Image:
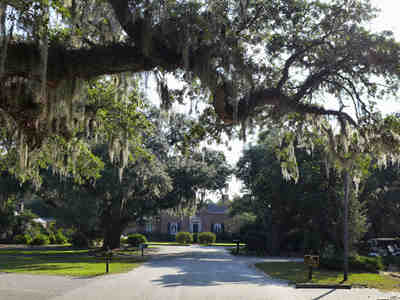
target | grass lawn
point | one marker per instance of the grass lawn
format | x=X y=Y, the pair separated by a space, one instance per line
x=177 y=244
x=296 y=272
x=166 y=244
x=62 y=261
x=227 y=244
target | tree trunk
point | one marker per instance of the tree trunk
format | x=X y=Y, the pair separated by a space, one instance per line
x=275 y=239
x=112 y=235
x=346 y=224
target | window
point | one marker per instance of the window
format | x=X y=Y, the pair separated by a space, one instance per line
x=149 y=227
x=173 y=228
x=217 y=228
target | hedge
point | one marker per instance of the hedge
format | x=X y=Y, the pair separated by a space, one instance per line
x=207 y=238
x=184 y=237
x=136 y=239
x=40 y=239
x=356 y=263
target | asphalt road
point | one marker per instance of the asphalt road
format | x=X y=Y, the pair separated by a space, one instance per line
x=178 y=273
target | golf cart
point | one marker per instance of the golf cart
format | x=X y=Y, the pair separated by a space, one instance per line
x=384 y=247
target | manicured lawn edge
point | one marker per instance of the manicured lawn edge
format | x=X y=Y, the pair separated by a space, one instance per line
x=297 y=272
x=227 y=245
x=177 y=244
x=66 y=262
x=167 y=244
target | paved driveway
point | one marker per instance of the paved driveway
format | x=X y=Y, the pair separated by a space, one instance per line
x=178 y=273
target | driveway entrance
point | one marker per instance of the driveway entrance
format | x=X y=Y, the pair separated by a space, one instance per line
x=177 y=273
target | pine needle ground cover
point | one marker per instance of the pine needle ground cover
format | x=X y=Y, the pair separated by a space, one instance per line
x=297 y=272
x=65 y=262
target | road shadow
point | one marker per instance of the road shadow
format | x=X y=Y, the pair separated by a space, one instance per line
x=207 y=268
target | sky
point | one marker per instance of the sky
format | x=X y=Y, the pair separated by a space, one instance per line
x=389 y=18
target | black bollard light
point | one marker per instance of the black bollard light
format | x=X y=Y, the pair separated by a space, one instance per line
x=142 y=246
x=237 y=246
x=108 y=255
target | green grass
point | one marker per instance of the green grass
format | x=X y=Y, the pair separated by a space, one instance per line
x=177 y=244
x=43 y=252
x=67 y=262
x=295 y=272
x=166 y=244
x=227 y=244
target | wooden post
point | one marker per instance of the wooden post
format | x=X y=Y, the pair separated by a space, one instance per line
x=311 y=261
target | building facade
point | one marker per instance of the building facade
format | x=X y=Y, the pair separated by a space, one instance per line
x=213 y=218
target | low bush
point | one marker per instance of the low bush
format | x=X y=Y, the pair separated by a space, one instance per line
x=184 y=237
x=136 y=239
x=392 y=261
x=207 y=238
x=356 y=263
x=79 y=240
x=52 y=238
x=124 y=240
x=23 y=239
x=40 y=239
x=195 y=236
x=61 y=239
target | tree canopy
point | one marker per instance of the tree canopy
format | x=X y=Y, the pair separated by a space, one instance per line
x=252 y=57
x=306 y=215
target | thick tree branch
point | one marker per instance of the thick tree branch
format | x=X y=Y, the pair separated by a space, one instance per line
x=272 y=98
x=153 y=45
x=23 y=60
x=292 y=59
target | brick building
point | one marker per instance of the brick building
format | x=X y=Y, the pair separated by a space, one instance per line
x=213 y=218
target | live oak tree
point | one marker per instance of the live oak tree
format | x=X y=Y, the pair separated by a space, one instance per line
x=139 y=194
x=254 y=59
x=251 y=61
x=152 y=179
x=195 y=177
x=11 y=197
x=291 y=213
x=381 y=196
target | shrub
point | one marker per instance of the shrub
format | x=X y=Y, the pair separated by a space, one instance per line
x=136 y=239
x=79 y=240
x=69 y=233
x=124 y=240
x=40 y=239
x=60 y=238
x=52 y=238
x=391 y=261
x=195 y=237
x=184 y=237
x=207 y=238
x=356 y=263
x=23 y=239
